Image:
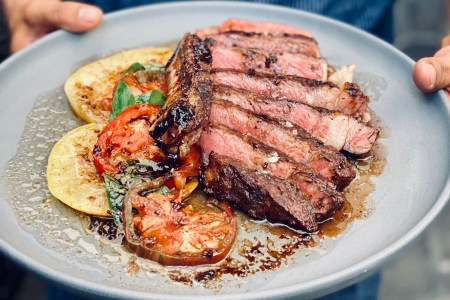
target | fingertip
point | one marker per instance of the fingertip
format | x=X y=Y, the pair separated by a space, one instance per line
x=424 y=75
x=89 y=17
x=69 y=15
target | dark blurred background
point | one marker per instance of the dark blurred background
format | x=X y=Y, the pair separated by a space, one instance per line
x=422 y=271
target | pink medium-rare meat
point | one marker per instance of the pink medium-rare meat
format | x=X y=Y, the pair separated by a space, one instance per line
x=349 y=100
x=332 y=128
x=358 y=140
x=224 y=141
x=250 y=26
x=258 y=194
x=292 y=141
x=250 y=60
x=258 y=156
x=260 y=27
x=296 y=44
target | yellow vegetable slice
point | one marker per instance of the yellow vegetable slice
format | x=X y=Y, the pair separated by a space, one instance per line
x=92 y=83
x=71 y=174
x=189 y=188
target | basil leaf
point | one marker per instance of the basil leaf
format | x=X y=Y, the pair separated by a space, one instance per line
x=134 y=67
x=123 y=97
x=152 y=97
x=115 y=193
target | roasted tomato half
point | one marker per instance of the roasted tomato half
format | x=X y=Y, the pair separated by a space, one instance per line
x=157 y=228
x=127 y=137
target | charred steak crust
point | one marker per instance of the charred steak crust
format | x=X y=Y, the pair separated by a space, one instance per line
x=186 y=111
x=288 y=43
x=260 y=195
x=259 y=156
x=332 y=128
x=293 y=141
x=350 y=100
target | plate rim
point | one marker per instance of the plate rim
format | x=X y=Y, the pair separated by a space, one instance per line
x=346 y=275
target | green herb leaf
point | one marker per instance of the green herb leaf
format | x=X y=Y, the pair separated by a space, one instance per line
x=152 y=97
x=134 y=67
x=123 y=97
x=115 y=193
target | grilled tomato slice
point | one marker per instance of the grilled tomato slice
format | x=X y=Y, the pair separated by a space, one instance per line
x=172 y=233
x=71 y=174
x=127 y=137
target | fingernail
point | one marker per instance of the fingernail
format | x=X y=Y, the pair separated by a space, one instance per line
x=88 y=15
x=431 y=75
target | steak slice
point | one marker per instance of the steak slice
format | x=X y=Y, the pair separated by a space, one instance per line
x=292 y=141
x=258 y=156
x=258 y=194
x=250 y=60
x=260 y=27
x=332 y=128
x=286 y=43
x=251 y=26
x=349 y=100
x=186 y=111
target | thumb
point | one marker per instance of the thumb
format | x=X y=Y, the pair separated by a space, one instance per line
x=71 y=16
x=433 y=73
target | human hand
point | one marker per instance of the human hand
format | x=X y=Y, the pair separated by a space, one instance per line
x=29 y=20
x=433 y=73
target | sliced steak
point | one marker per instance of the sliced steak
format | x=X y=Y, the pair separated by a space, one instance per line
x=187 y=109
x=260 y=27
x=331 y=128
x=349 y=100
x=258 y=156
x=260 y=195
x=292 y=141
x=251 y=26
x=286 y=43
x=250 y=60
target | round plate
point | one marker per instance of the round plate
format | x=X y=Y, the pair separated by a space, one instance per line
x=46 y=237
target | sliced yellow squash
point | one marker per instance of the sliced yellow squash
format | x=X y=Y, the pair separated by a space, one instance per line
x=93 y=83
x=71 y=174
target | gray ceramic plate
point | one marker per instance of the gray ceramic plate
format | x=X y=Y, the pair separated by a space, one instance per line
x=49 y=239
